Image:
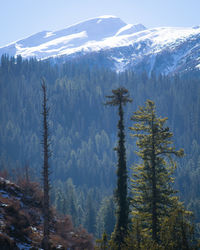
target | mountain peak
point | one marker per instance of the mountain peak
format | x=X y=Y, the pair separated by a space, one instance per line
x=107 y=16
x=107 y=33
x=96 y=28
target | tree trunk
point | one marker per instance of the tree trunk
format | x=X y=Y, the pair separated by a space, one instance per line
x=46 y=155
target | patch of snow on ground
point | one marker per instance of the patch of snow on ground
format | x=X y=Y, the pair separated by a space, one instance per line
x=23 y=246
x=4 y=194
x=4 y=180
x=197 y=66
x=34 y=229
x=4 y=205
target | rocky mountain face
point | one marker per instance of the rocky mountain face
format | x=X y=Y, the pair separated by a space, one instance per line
x=121 y=46
x=21 y=221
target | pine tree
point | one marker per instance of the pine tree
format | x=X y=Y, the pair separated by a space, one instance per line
x=106 y=217
x=109 y=216
x=102 y=244
x=90 y=216
x=152 y=190
x=45 y=172
x=119 y=98
x=177 y=231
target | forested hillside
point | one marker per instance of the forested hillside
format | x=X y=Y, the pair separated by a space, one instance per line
x=84 y=133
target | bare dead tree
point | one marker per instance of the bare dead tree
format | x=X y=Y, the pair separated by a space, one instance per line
x=45 y=171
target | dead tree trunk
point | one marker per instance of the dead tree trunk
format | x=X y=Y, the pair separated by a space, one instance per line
x=45 y=171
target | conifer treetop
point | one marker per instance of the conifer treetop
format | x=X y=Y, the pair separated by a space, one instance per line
x=120 y=96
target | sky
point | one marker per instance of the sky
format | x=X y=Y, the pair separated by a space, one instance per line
x=22 y=18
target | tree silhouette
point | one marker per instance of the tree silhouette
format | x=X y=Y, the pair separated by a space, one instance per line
x=119 y=98
x=45 y=172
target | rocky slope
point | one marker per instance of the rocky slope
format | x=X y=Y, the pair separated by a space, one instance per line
x=21 y=221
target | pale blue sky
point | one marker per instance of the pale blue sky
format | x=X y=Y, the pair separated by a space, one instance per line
x=21 y=18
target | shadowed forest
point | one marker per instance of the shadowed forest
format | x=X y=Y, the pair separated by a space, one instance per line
x=86 y=152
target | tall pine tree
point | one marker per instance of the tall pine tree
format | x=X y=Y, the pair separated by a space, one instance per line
x=119 y=98
x=152 y=190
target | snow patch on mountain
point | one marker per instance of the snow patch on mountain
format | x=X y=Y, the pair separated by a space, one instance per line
x=130 y=29
x=78 y=36
x=52 y=46
x=110 y=34
x=49 y=34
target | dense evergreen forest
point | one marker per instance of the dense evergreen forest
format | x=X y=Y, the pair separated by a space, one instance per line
x=84 y=132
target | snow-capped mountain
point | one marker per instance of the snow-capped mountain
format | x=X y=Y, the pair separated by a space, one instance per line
x=163 y=50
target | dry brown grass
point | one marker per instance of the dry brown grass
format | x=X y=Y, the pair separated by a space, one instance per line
x=7 y=243
x=21 y=209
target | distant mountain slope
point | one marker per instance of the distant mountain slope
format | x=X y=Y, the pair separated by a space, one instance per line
x=125 y=45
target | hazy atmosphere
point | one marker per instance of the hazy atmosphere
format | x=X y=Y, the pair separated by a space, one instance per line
x=100 y=125
x=21 y=18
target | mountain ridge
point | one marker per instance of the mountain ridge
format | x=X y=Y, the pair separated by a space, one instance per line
x=110 y=34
